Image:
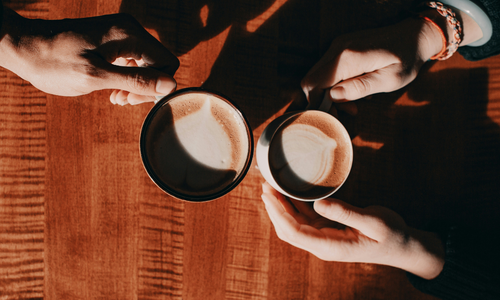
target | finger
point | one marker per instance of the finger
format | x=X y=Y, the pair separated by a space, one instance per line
x=132 y=99
x=156 y=55
x=301 y=210
x=121 y=97
x=342 y=66
x=138 y=80
x=124 y=62
x=346 y=65
x=135 y=99
x=354 y=217
x=274 y=198
x=382 y=80
x=112 y=97
x=276 y=219
x=288 y=228
x=120 y=61
x=267 y=188
x=140 y=45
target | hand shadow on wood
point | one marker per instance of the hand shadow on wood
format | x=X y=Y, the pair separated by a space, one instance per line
x=432 y=154
x=258 y=70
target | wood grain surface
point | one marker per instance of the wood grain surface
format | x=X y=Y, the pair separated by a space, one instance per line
x=80 y=219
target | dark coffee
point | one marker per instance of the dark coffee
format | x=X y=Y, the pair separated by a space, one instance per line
x=197 y=144
x=310 y=155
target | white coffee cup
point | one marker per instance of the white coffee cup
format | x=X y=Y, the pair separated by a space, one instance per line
x=275 y=133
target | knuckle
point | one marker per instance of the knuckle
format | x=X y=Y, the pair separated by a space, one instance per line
x=394 y=81
x=339 y=213
x=281 y=236
x=116 y=33
x=361 y=85
x=292 y=236
x=138 y=83
x=381 y=228
x=347 y=54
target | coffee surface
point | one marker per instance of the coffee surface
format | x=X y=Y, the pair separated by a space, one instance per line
x=197 y=144
x=310 y=155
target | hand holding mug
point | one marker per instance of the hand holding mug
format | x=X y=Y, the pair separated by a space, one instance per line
x=380 y=60
x=334 y=230
x=74 y=57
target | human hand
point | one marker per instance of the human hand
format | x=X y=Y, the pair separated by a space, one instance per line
x=372 y=61
x=380 y=60
x=333 y=230
x=74 y=57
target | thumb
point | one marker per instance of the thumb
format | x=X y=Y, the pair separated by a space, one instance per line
x=344 y=213
x=386 y=79
x=139 y=80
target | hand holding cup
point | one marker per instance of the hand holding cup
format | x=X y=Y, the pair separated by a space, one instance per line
x=334 y=230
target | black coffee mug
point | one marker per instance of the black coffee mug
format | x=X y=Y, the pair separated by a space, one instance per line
x=196 y=145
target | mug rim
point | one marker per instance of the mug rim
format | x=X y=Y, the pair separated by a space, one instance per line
x=162 y=185
x=267 y=146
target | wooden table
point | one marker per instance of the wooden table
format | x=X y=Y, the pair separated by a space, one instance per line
x=80 y=219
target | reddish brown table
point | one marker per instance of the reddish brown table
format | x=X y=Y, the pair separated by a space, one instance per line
x=80 y=219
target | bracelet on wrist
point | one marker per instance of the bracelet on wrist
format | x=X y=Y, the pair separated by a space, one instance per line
x=451 y=20
x=441 y=33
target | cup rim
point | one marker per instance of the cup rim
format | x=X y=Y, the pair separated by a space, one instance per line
x=351 y=160
x=155 y=178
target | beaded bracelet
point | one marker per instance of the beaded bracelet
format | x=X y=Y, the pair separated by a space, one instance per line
x=443 y=38
x=455 y=25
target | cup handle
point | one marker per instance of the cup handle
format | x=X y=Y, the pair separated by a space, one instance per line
x=326 y=103
x=325 y=106
x=158 y=98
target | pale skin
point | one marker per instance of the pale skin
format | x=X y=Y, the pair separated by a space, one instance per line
x=73 y=57
x=333 y=230
x=380 y=60
x=355 y=66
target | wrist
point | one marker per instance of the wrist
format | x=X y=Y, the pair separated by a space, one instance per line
x=12 y=27
x=434 y=29
x=423 y=254
x=17 y=42
x=431 y=40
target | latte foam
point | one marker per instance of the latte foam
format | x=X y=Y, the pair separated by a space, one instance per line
x=310 y=155
x=197 y=144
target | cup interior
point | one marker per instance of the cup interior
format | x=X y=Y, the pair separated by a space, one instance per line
x=196 y=145
x=310 y=155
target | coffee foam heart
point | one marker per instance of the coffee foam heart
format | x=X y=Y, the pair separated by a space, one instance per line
x=310 y=155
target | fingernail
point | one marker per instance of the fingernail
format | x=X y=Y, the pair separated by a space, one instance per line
x=337 y=93
x=165 y=85
x=319 y=206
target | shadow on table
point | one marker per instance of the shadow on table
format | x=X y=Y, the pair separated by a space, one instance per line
x=270 y=46
x=433 y=154
x=437 y=148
